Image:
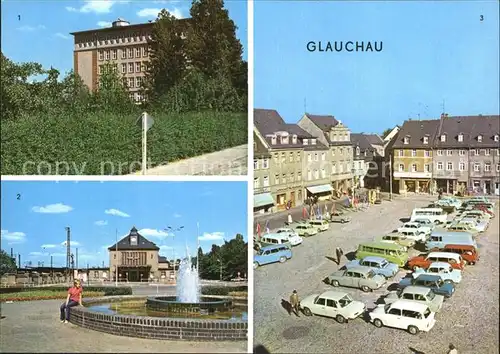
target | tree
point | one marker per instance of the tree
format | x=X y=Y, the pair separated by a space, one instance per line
x=386 y=132
x=168 y=62
x=231 y=256
x=7 y=264
x=112 y=93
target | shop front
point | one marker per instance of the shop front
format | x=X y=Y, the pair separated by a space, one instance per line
x=288 y=197
x=263 y=202
x=320 y=192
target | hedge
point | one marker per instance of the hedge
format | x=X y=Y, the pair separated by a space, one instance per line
x=105 y=290
x=222 y=291
x=96 y=144
x=44 y=295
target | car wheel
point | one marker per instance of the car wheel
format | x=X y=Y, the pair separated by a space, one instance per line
x=377 y=323
x=414 y=268
x=335 y=283
x=307 y=312
x=282 y=259
x=449 y=281
x=306 y=235
x=255 y=265
x=365 y=288
x=342 y=221
x=472 y=263
x=412 y=330
x=340 y=319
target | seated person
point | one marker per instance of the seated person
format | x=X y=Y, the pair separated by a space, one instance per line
x=74 y=298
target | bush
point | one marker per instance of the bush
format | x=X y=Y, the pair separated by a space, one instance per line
x=222 y=291
x=94 y=144
x=105 y=290
x=44 y=295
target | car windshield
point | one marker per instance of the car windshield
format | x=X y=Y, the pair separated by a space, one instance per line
x=383 y=264
x=346 y=300
x=427 y=313
x=370 y=274
x=439 y=282
x=431 y=295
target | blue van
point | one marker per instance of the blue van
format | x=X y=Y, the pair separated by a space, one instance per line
x=439 y=239
x=272 y=254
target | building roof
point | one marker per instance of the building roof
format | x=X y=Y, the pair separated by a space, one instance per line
x=162 y=259
x=324 y=122
x=415 y=130
x=362 y=141
x=470 y=127
x=374 y=139
x=143 y=244
x=267 y=121
x=137 y=26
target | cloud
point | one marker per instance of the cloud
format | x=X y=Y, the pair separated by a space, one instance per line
x=52 y=209
x=214 y=236
x=116 y=212
x=27 y=28
x=96 y=6
x=37 y=254
x=50 y=246
x=60 y=35
x=13 y=237
x=153 y=12
x=176 y=215
x=104 y=24
x=165 y=248
x=154 y=233
x=101 y=222
x=71 y=243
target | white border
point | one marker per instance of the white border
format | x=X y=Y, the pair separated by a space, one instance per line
x=250 y=173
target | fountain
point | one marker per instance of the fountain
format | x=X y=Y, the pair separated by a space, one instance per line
x=188 y=282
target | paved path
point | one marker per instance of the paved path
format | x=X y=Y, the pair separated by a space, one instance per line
x=228 y=162
x=471 y=327
x=34 y=327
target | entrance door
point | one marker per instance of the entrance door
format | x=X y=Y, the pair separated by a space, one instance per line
x=487 y=187
x=292 y=198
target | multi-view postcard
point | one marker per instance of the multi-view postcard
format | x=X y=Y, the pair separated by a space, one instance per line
x=376 y=177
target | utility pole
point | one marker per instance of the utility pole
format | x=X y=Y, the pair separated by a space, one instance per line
x=77 y=259
x=220 y=261
x=390 y=176
x=52 y=266
x=68 y=251
x=116 y=264
x=19 y=259
x=198 y=248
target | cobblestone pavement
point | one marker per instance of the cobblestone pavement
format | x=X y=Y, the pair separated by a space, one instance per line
x=228 y=162
x=34 y=327
x=469 y=319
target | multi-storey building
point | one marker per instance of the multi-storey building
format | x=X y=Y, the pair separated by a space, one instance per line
x=122 y=45
x=289 y=164
x=367 y=152
x=336 y=136
x=412 y=156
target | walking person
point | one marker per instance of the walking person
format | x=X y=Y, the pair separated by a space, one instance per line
x=339 y=253
x=73 y=299
x=294 y=301
x=452 y=350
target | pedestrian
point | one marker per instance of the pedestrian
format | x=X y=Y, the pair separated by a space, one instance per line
x=339 y=254
x=294 y=301
x=452 y=350
x=74 y=298
x=290 y=219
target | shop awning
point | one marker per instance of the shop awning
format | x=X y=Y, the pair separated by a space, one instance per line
x=262 y=199
x=323 y=188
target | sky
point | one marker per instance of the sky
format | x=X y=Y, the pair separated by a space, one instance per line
x=433 y=52
x=34 y=216
x=43 y=26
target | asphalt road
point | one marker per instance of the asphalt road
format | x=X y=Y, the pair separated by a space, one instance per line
x=469 y=320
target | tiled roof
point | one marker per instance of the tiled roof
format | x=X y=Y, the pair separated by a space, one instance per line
x=374 y=139
x=267 y=121
x=324 y=122
x=143 y=244
x=471 y=127
x=415 y=130
x=362 y=141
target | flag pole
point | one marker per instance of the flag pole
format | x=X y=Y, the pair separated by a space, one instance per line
x=198 y=248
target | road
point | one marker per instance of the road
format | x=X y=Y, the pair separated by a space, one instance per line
x=471 y=327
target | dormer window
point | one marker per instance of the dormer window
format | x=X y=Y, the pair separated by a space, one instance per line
x=294 y=139
x=357 y=151
x=460 y=137
x=480 y=138
x=305 y=142
x=443 y=138
x=365 y=153
x=496 y=138
x=406 y=140
x=133 y=241
x=284 y=139
x=313 y=141
x=426 y=140
x=273 y=140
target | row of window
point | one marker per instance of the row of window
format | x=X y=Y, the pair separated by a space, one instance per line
x=461 y=152
x=440 y=166
x=127 y=68
x=89 y=42
x=136 y=97
x=124 y=53
x=264 y=164
x=460 y=138
x=339 y=136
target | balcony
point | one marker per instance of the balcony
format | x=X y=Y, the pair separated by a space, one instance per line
x=405 y=174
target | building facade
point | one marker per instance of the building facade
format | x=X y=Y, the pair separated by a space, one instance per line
x=332 y=133
x=368 y=150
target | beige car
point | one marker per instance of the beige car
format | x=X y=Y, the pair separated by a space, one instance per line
x=397 y=238
x=305 y=230
x=321 y=225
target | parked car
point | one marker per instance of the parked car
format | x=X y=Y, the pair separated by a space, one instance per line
x=452 y=201
x=379 y=265
x=357 y=277
x=320 y=224
x=474 y=223
x=398 y=239
x=334 y=304
x=415 y=235
x=460 y=227
x=420 y=294
x=416 y=226
x=293 y=236
x=433 y=282
x=480 y=214
x=272 y=254
x=444 y=270
x=339 y=216
x=426 y=222
x=424 y=261
x=469 y=253
x=305 y=230
x=408 y=315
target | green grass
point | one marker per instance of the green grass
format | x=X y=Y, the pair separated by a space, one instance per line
x=110 y=144
x=43 y=295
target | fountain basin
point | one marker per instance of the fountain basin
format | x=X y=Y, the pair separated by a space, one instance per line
x=170 y=304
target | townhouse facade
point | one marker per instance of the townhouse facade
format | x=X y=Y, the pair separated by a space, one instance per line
x=368 y=151
x=337 y=137
x=453 y=154
x=290 y=165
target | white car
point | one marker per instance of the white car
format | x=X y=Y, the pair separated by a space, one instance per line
x=335 y=304
x=417 y=236
x=293 y=236
x=425 y=222
x=479 y=226
x=443 y=269
x=418 y=294
x=415 y=226
x=404 y=314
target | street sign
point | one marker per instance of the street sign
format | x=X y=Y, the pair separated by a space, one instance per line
x=149 y=121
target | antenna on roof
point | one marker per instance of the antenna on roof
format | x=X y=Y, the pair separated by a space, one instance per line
x=443 y=106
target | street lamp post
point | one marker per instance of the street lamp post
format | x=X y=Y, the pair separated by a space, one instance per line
x=172 y=230
x=220 y=261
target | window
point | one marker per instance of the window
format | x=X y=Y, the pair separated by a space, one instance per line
x=334 y=168
x=130 y=67
x=256 y=183
x=114 y=54
x=461 y=166
x=396 y=312
x=460 y=137
x=333 y=152
x=266 y=181
x=294 y=139
x=131 y=82
x=255 y=164
x=276 y=179
x=498 y=167
x=406 y=140
x=313 y=141
x=124 y=68
x=137 y=52
x=321 y=301
x=357 y=150
x=439 y=166
x=316 y=157
x=414 y=168
x=99 y=70
x=106 y=55
x=283 y=157
x=101 y=55
x=138 y=82
x=449 y=166
x=330 y=303
x=449 y=152
x=138 y=67
x=496 y=138
x=298 y=157
x=341 y=151
x=265 y=163
x=323 y=173
x=487 y=152
x=427 y=168
x=323 y=156
x=305 y=142
x=124 y=53
x=427 y=153
x=414 y=153
x=341 y=168
x=487 y=167
x=476 y=167
x=443 y=138
x=426 y=140
x=461 y=152
x=290 y=157
x=401 y=167
x=316 y=174
x=299 y=176
x=401 y=153
x=292 y=177
x=476 y=152
x=440 y=152
x=144 y=51
x=309 y=157
x=480 y=138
